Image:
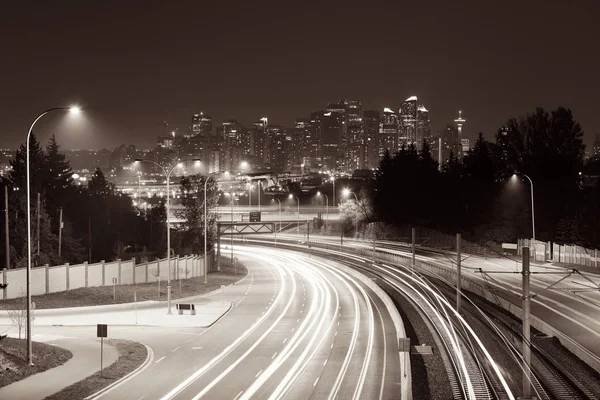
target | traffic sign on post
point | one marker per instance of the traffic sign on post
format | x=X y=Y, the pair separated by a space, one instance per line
x=254 y=216
x=101 y=332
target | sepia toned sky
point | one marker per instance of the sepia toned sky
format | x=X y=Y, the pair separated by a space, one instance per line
x=135 y=64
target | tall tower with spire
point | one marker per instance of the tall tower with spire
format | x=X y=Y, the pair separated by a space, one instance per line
x=460 y=121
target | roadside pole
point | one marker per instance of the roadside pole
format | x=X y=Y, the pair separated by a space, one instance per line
x=413 y=249
x=458 y=271
x=526 y=326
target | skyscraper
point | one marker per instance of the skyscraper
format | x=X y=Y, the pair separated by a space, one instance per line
x=352 y=142
x=460 y=121
x=408 y=122
x=389 y=132
x=316 y=134
x=334 y=132
x=371 y=121
x=450 y=143
x=423 y=126
x=230 y=134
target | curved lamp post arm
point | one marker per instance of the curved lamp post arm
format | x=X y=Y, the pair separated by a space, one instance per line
x=28 y=203
x=532 y=208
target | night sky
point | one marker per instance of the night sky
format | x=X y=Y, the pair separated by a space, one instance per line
x=135 y=64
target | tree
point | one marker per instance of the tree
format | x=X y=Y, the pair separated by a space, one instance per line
x=99 y=186
x=192 y=198
x=59 y=177
x=37 y=170
x=548 y=147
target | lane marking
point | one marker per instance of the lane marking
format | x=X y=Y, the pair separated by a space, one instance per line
x=175 y=349
x=160 y=359
x=284 y=340
x=315 y=384
x=190 y=340
x=197 y=348
x=325 y=363
x=238 y=395
x=259 y=372
x=274 y=355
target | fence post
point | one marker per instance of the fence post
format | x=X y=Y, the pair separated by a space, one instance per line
x=146 y=278
x=67 y=269
x=85 y=266
x=47 y=270
x=119 y=261
x=133 y=261
x=103 y=273
x=4 y=279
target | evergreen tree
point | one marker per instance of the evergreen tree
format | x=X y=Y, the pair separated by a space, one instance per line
x=37 y=170
x=59 y=177
x=99 y=186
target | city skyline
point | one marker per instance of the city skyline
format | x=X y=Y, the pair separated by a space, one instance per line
x=159 y=64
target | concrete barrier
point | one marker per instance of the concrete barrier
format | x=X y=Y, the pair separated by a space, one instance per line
x=47 y=279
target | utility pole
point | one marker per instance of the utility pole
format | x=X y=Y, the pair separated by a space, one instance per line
x=90 y=240
x=458 y=282
x=413 y=249
x=526 y=326
x=38 y=224
x=60 y=228
x=6 y=225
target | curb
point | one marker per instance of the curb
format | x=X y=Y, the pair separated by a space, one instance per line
x=144 y=365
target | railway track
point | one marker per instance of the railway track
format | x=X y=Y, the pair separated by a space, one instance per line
x=549 y=380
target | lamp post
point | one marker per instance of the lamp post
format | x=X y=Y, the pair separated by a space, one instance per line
x=332 y=179
x=206 y=223
x=532 y=214
x=258 y=187
x=326 y=210
x=346 y=193
x=279 y=201
x=168 y=205
x=72 y=110
x=291 y=196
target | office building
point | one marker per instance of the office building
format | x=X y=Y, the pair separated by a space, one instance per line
x=408 y=122
x=389 y=132
x=371 y=121
x=596 y=146
x=460 y=121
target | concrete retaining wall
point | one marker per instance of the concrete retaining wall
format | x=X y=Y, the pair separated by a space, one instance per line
x=57 y=278
x=65 y=277
x=77 y=276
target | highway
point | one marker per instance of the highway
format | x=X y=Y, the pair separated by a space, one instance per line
x=300 y=328
x=571 y=307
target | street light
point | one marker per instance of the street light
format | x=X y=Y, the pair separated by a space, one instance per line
x=532 y=208
x=168 y=204
x=346 y=192
x=279 y=219
x=206 y=222
x=291 y=196
x=319 y=194
x=332 y=179
x=73 y=110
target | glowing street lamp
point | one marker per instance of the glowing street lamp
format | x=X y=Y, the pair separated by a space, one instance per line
x=73 y=110
x=291 y=196
x=514 y=177
x=168 y=174
x=319 y=194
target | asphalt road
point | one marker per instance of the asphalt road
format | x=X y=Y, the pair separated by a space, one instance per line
x=568 y=303
x=300 y=328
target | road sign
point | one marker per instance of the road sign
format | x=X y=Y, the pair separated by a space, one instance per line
x=102 y=331
x=254 y=216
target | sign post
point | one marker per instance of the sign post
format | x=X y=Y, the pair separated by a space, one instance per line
x=101 y=332
x=114 y=290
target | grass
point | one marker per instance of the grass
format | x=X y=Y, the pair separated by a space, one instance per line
x=125 y=293
x=13 y=359
x=131 y=356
